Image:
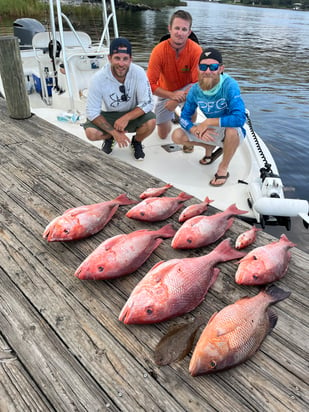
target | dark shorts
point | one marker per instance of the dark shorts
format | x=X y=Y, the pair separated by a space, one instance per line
x=111 y=117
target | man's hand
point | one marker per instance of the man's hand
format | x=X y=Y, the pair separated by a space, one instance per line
x=121 y=138
x=121 y=124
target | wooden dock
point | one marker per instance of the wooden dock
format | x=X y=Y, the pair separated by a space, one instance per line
x=62 y=347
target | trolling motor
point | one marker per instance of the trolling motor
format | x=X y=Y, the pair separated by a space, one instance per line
x=267 y=199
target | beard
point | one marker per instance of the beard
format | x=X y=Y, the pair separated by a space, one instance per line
x=207 y=83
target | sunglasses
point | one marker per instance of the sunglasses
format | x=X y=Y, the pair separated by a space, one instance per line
x=124 y=96
x=212 y=67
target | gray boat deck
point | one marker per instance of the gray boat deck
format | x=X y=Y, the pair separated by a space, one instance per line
x=62 y=347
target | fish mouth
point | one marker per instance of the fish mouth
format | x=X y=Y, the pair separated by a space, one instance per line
x=124 y=315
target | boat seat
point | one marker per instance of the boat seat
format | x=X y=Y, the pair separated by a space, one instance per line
x=41 y=40
x=82 y=69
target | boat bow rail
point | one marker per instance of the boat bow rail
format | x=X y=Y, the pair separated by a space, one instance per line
x=78 y=56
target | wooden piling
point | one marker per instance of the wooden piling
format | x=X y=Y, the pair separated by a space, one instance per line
x=13 y=79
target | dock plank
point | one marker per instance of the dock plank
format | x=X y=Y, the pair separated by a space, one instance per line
x=69 y=351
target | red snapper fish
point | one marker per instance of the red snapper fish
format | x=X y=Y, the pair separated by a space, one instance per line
x=83 y=221
x=203 y=230
x=154 y=209
x=265 y=264
x=194 y=210
x=235 y=333
x=246 y=238
x=154 y=191
x=174 y=287
x=123 y=254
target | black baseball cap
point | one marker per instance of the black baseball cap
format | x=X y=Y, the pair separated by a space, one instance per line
x=120 y=45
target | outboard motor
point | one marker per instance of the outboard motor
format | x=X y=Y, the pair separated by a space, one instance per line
x=25 y=29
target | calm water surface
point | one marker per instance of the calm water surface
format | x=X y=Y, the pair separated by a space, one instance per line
x=267 y=51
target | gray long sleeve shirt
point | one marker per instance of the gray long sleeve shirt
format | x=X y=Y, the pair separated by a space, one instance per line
x=104 y=93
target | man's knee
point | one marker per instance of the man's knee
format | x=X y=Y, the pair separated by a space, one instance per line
x=231 y=135
x=178 y=136
x=93 y=134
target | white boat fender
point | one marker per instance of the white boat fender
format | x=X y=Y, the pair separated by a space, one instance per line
x=272 y=206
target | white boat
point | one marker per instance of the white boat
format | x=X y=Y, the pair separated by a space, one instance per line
x=254 y=183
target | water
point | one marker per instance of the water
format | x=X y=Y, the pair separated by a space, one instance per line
x=267 y=51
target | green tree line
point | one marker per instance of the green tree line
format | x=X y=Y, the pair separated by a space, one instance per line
x=35 y=8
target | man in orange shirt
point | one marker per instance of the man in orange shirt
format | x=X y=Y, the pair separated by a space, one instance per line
x=172 y=69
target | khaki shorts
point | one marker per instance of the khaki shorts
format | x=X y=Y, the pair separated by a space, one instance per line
x=162 y=114
x=111 y=117
x=219 y=138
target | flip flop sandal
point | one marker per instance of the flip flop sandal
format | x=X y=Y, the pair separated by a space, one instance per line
x=217 y=177
x=188 y=149
x=207 y=160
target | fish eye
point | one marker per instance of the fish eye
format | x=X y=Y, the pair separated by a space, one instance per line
x=189 y=240
x=66 y=231
x=213 y=364
x=100 y=269
x=255 y=257
x=142 y=213
x=255 y=277
x=149 y=311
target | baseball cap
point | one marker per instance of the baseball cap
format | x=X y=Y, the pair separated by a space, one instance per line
x=211 y=53
x=120 y=45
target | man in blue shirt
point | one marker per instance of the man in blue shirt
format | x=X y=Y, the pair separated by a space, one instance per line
x=217 y=95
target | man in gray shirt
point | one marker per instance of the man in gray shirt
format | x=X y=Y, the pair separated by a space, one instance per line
x=120 y=101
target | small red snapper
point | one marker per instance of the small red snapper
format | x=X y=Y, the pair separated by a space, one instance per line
x=174 y=287
x=265 y=264
x=203 y=230
x=83 y=221
x=122 y=254
x=154 y=191
x=246 y=238
x=235 y=333
x=194 y=210
x=154 y=209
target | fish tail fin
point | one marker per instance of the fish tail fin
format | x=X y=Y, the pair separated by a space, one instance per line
x=284 y=239
x=207 y=200
x=184 y=196
x=166 y=231
x=235 y=211
x=273 y=318
x=276 y=294
x=124 y=200
x=227 y=252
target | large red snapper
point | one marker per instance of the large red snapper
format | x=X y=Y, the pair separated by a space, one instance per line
x=194 y=210
x=154 y=209
x=203 y=230
x=83 y=221
x=235 y=333
x=176 y=286
x=154 y=191
x=122 y=254
x=265 y=264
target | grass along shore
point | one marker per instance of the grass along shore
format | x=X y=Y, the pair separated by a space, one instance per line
x=35 y=8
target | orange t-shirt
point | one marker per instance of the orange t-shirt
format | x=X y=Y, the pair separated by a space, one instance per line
x=172 y=72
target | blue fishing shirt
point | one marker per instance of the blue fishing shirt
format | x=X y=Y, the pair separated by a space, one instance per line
x=223 y=101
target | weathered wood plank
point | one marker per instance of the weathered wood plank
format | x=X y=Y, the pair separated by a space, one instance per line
x=18 y=392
